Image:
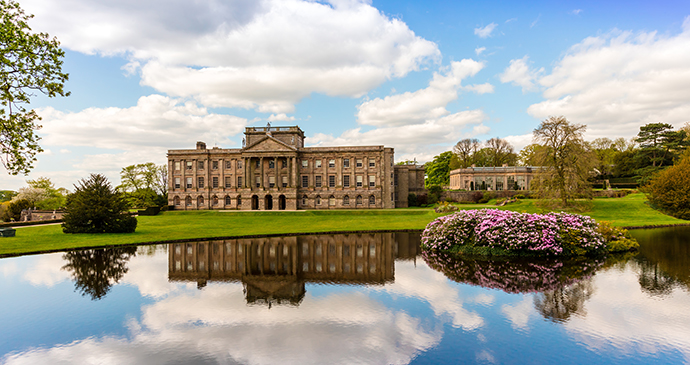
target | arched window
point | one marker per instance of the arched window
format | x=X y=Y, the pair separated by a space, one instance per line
x=372 y=200
x=188 y=201
x=331 y=200
x=215 y=200
x=346 y=200
x=359 y=200
x=200 y=200
x=318 y=200
x=176 y=200
x=304 y=200
x=228 y=200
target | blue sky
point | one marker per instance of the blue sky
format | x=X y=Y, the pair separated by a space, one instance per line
x=148 y=76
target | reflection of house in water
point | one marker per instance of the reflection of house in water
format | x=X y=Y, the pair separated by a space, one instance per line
x=275 y=269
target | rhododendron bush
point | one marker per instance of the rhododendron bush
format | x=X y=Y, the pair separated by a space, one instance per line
x=541 y=234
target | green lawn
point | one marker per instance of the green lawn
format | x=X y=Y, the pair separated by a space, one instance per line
x=628 y=211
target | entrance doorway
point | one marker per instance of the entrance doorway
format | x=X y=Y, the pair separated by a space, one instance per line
x=268 y=203
x=255 y=202
x=281 y=202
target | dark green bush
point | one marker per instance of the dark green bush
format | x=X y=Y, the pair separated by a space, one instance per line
x=95 y=207
x=412 y=200
x=435 y=192
x=487 y=196
x=669 y=190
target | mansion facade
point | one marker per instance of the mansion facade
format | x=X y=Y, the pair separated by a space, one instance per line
x=274 y=171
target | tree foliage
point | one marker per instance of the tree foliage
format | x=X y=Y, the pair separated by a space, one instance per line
x=661 y=142
x=669 y=190
x=565 y=159
x=95 y=207
x=29 y=62
x=438 y=170
x=464 y=150
x=144 y=185
x=54 y=198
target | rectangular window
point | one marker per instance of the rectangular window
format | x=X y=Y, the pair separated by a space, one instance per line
x=346 y=181
x=271 y=181
x=359 y=162
x=239 y=181
x=331 y=181
x=177 y=165
x=317 y=164
x=305 y=163
x=200 y=165
x=257 y=180
x=331 y=163
x=258 y=163
x=346 y=162
x=200 y=183
x=189 y=165
x=271 y=164
x=317 y=181
x=285 y=181
x=214 y=165
x=283 y=163
x=372 y=180
x=228 y=181
x=395 y=179
x=215 y=181
x=177 y=183
x=359 y=181
x=372 y=162
x=239 y=164
x=305 y=181
x=189 y=183
x=228 y=164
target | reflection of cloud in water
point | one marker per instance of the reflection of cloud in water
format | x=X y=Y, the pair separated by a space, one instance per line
x=442 y=295
x=8 y=267
x=146 y=273
x=619 y=314
x=46 y=270
x=520 y=313
x=215 y=325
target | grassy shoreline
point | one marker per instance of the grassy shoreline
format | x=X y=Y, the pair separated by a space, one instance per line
x=630 y=211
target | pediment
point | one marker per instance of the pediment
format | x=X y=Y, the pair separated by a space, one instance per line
x=269 y=144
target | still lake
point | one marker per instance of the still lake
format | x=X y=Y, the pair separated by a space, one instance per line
x=358 y=298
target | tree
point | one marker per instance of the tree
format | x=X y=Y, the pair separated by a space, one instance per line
x=95 y=207
x=29 y=62
x=669 y=190
x=464 y=150
x=661 y=142
x=500 y=152
x=529 y=155
x=54 y=198
x=565 y=159
x=145 y=184
x=438 y=170
x=7 y=195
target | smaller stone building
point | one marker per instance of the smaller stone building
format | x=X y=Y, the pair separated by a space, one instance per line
x=408 y=179
x=493 y=178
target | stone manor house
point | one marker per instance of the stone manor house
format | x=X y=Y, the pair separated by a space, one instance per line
x=274 y=171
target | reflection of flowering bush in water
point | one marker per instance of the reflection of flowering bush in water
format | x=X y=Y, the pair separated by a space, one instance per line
x=513 y=275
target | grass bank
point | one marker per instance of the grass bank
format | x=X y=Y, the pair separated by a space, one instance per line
x=623 y=212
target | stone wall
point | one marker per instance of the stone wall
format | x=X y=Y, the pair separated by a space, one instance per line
x=29 y=215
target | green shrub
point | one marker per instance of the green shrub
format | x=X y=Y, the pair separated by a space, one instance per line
x=617 y=239
x=445 y=207
x=669 y=190
x=487 y=196
x=412 y=200
x=95 y=207
x=519 y=196
x=435 y=192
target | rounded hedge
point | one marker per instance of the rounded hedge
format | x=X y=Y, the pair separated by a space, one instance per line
x=493 y=231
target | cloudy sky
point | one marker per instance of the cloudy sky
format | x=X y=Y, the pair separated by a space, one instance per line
x=148 y=76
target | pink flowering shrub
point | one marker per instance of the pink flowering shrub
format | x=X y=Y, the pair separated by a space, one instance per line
x=541 y=234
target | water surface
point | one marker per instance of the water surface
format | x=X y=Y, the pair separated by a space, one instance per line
x=369 y=298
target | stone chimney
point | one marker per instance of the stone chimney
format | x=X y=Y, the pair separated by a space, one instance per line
x=200 y=145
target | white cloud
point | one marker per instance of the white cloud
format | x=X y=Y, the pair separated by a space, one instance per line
x=519 y=73
x=520 y=313
x=242 y=53
x=485 y=88
x=280 y=118
x=64 y=150
x=155 y=122
x=519 y=142
x=45 y=270
x=576 y=11
x=479 y=50
x=617 y=82
x=485 y=32
x=421 y=105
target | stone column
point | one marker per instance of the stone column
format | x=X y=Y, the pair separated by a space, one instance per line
x=262 y=176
